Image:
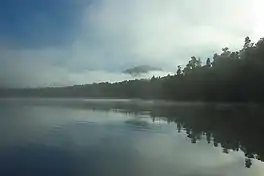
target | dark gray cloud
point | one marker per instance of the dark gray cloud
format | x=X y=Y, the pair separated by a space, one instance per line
x=139 y=70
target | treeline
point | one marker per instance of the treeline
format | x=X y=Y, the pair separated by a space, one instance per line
x=236 y=76
x=229 y=76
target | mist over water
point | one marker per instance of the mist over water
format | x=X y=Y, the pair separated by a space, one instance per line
x=122 y=137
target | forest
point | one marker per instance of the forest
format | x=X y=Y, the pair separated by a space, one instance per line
x=229 y=76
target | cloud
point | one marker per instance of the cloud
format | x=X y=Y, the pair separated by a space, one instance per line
x=55 y=68
x=156 y=31
x=103 y=38
x=139 y=70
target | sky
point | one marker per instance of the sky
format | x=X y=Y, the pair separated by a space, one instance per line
x=67 y=42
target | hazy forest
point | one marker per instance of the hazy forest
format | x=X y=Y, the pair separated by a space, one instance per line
x=231 y=76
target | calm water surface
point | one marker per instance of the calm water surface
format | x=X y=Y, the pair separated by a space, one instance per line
x=119 y=137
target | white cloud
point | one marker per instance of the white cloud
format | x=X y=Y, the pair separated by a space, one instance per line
x=29 y=69
x=160 y=32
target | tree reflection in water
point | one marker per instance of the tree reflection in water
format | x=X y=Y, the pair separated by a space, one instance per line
x=233 y=127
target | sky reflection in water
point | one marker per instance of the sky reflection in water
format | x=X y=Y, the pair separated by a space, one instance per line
x=44 y=139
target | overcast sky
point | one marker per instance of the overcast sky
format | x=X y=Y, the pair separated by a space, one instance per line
x=65 y=42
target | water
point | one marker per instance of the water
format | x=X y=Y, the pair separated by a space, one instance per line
x=63 y=137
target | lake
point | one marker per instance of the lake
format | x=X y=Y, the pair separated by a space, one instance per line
x=80 y=137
